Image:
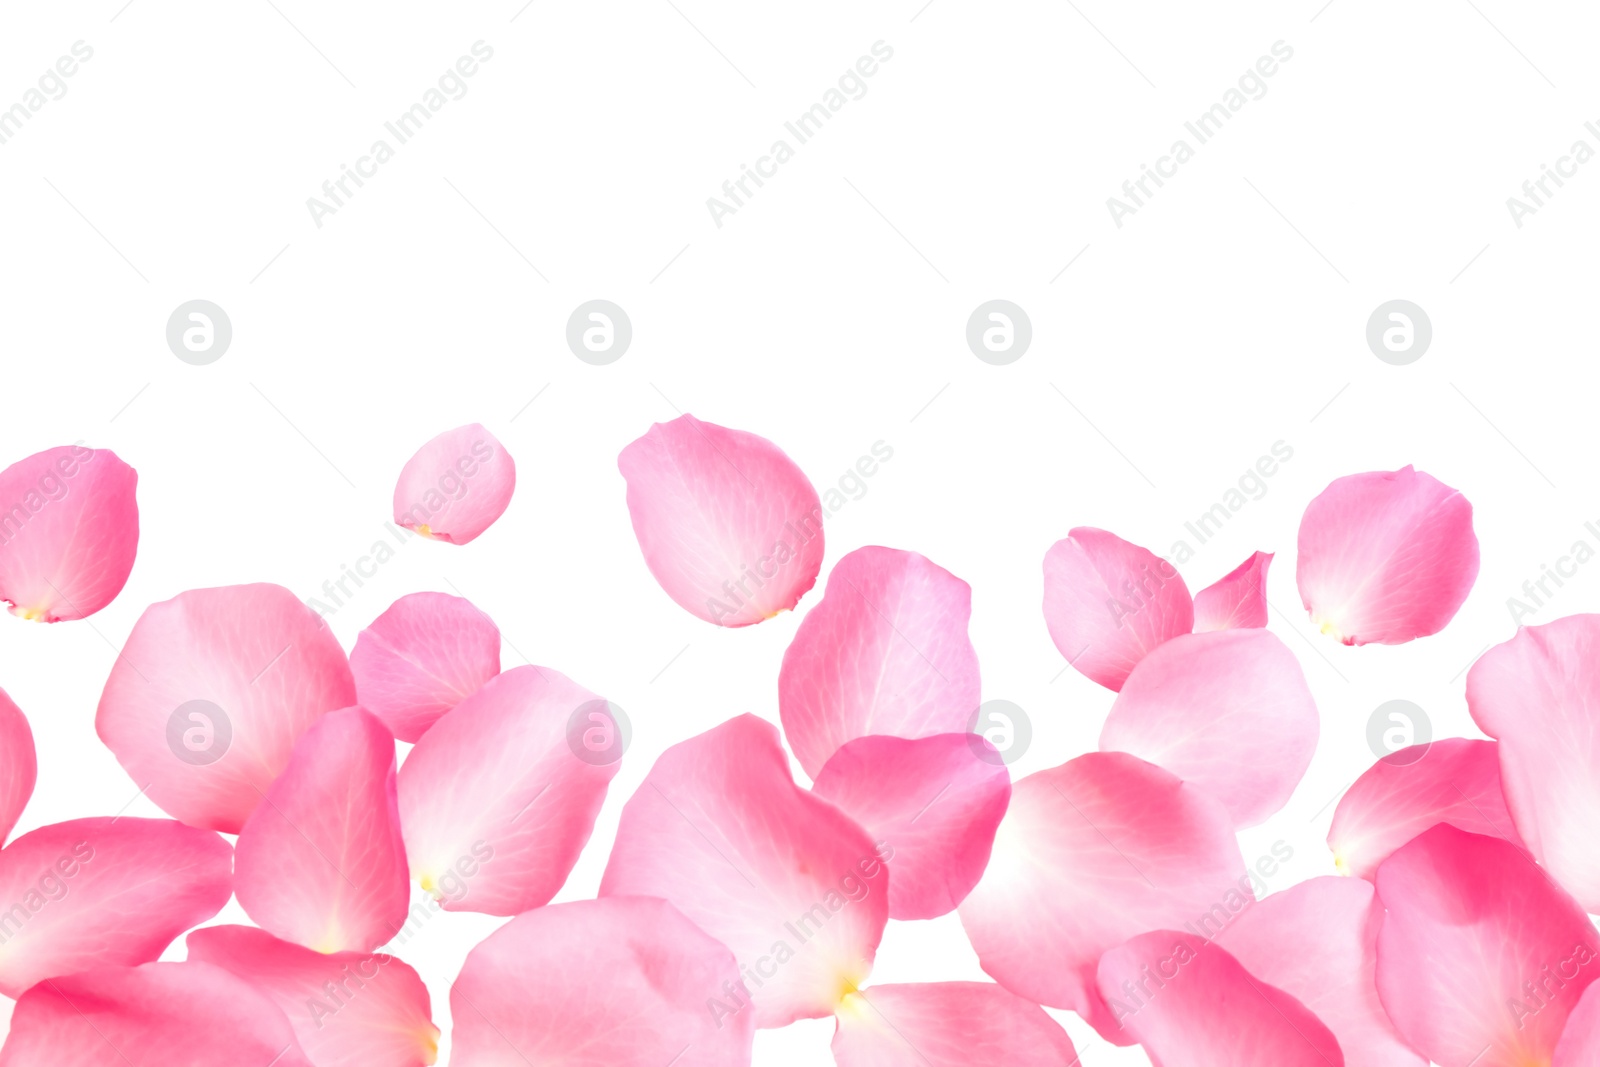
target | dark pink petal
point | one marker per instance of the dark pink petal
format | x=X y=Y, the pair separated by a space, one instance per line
x=1481 y=956
x=787 y=881
x=1318 y=942
x=69 y=530
x=886 y=652
x=1539 y=693
x=348 y=1009
x=1108 y=603
x=1238 y=599
x=620 y=982
x=935 y=800
x=1456 y=781
x=1091 y=853
x=495 y=800
x=211 y=691
x=1386 y=557
x=730 y=527
x=1191 y=1004
x=19 y=766
x=157 y=1015
x=104 y=892
x=422 y=657
x=1580 y=1039
x=320 y=862
x=947 y=1024
x=455 y=486
x=1206 y=705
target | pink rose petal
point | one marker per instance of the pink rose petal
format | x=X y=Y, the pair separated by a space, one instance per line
x=1580 y=1038
x=729 y=525
x=69 y=531
x=456 y=486
x=422 y=657
x=1206 y=705
x=623 y=982
x=886 y=652
x=19 y=767
x=783 y=878
x=1386 y=557
x=1238 y=599
x=947 y=1024
x=1109 y=603
x=211 y=691
x=935 y=800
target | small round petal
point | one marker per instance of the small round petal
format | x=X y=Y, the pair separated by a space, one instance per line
x=456 y=486
x=19 y=766
x=1386 y=557
x=69 y=531
x=211 y=692
x=885 y=652
x=1236 y=600
x=729 y=525
x=422 y=657
x=947 y=1024
x=624 y=982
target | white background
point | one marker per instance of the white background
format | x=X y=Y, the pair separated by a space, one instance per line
x=827 y=314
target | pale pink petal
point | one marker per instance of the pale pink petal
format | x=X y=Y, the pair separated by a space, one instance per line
x=456 y=486
x=886 y=652
x=495 y=801
x=69 y=531
x=157 y=1015
x=1318 y=942
x=348 y=1009
x=1539 y=694
x=1238 y=599
x=729 y=525
x=1109 y=603
x=211 y=691
x=422 y=657
x=1386 y=557
x=786 y=880
x=1191 y=1004
x=1089 y=854
x=937 y=802
x=619 y=982
x=947 y=1024
x=1481 y=956
x=1455 y=780
x=104 y=892
x=1580 y=1039
x=1206 y=705
x=19 y=766
x=320 y=862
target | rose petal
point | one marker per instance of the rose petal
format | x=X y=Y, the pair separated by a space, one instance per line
x=935 y=800
x=104 y=892
x=348 y=1009
x=495 y=800
x=1481 y=956
x=1108 y=603
x=729 y=525
x=422 y=657
x=1238 y=599
x=886 y=652
x=947 y=1024
x=19 y=767
x=1205 y=705
x=624 y=982
x=157 y=1015
x=456 y=486
x=1386 y=557
x=1455 y=780
x=787 y=881
x=1090 y=853
x=1580 y=1038
x=321 y=862
x=211 y=691
x=69 y=531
